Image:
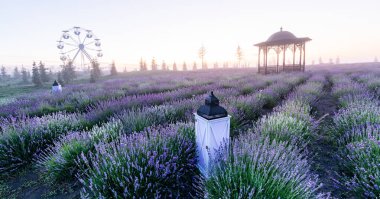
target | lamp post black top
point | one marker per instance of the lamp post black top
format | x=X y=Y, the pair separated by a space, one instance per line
x=211 y=110
x=55 y=83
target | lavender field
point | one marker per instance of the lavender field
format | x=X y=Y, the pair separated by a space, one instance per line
x=313 y=134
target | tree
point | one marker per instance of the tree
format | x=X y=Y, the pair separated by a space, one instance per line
x=163 y=67
x=60 y=79
x=184 y=66
x=16 y=73
x=337 y=61
x=113 y=69
x=36 y=78
x=154 y=64
x=320 y=60
x=239 y=54
x=216 y=65
x=142 y=65
x=145 y=66
x=174 y=67
x=202 y=53
x=43 y=74
x=331 y=61
x=3 y=73
x=225 y=65
x=50 y=73
x=95 y=71
x=195 y=66
x=24 y=75
x=205 y=66
x=68 y=72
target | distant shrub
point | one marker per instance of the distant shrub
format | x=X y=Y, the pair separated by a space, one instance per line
x=138 y=120
x=284 y=127
x=309 y=92
x=246 y=90
x=350 y=88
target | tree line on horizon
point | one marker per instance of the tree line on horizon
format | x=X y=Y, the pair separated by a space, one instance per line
x=40 y=74
x=143 y=66
x=201 y=53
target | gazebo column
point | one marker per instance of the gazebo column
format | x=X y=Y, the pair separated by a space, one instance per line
x=278 y=57
x=283 y=61
x=258 y=64
x=263 y=64
x=300 y=66
x=294 y=55
x=304 y=56
x=266 y=60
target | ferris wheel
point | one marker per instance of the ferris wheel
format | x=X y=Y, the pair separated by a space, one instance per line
x=79 y=46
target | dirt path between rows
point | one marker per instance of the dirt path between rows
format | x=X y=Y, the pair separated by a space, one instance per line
x=28 y=184
x=322 y=147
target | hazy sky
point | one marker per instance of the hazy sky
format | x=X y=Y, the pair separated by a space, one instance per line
x=174 y=30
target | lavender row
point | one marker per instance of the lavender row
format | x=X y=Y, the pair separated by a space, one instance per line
x=246 y=109
x=370 y=81
x=357 y=129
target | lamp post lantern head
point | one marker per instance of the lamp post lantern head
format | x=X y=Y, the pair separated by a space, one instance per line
x=211 y=110
x=55 y=83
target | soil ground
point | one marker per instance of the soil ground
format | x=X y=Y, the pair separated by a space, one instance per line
x=322 y=147
x=28 y=185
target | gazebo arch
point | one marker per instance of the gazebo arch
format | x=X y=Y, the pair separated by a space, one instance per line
x=280 y=42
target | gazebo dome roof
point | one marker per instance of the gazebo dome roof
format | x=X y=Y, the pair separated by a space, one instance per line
x=281 y=36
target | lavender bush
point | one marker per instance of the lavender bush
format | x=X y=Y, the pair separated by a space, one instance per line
x=355 y=115
x=363 y=178
x=157 y=163
x=21 y=140
x=57 y=163
x=258 y=168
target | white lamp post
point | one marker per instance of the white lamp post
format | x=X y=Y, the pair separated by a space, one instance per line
x=212 y=130
x=56 y=88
